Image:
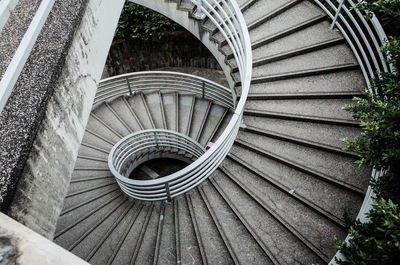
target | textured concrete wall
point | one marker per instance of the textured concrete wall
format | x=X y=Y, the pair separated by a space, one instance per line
x=46 y=175
x=24 y=111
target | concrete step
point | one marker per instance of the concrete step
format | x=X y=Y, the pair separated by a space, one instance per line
x=233 y=228
x=73 y=215
x=125 y=112
x=170 y=101
x=325 y=165
x=148 y=244
x=186 y=105
x=123 y=236
x=188 y=245
x=285 y=20
x=327 y=57
x=92 y=138
x=325 y=135
x=70 y=230
x=111 y=119
x=156 y=109
x=283 y=243
x=167 y=247
x=129 y=250
x=227 y=118
x=86 y=241
x=90 y=151
x=270 y=9
x=336 y=82
x=111 y=240
x=201 y=111
x=291 y=53
x=216 y=251
x=95 y=124
x=318 y=108
x=309 y=223
x=309 y=36
x=138 y=104
x=213 y=123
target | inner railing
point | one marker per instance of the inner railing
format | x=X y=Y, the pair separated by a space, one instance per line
x=227 y=17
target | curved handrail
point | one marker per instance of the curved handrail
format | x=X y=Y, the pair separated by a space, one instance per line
x=227 y=17
x=365 y=37
x=132 y=146
x=128 y=84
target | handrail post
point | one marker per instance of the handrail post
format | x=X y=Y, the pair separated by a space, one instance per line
x=156 y=140
x=203 y=89
x=199 y=14
x=129 y=86
x=168 y=192
x=337 y=13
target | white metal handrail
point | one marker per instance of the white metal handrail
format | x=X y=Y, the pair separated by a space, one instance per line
x=6 y=7
x=227 y=17
x=23 y=51
x=365 y=37
x=162 y=80
x=124 y=153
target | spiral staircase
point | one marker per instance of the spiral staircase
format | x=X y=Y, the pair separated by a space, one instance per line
x=280 y=194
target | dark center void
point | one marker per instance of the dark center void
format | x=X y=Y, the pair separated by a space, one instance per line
x=157 y=168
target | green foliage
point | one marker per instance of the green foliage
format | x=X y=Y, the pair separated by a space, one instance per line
x=375 y=242
x=388 y=12
x=138 y=22
x=378 y=241
x=379 y=112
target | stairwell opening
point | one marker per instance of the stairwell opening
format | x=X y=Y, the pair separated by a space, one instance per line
x=157 y=168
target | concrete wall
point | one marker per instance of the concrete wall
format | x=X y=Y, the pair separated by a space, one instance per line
x=20 y=245
x=45 y=178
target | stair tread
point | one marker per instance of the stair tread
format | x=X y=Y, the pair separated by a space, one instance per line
x=332 y=165
x=282 y=21
x=154 y=103
x=324 y=108
x=248 y=253
x=328 y=57
x=316 y=228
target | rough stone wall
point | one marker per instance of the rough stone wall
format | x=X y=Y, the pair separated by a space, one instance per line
x=45 y=118
x=176 y=49
x=22 y=116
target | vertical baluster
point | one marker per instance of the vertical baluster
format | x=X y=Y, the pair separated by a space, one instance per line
x=168 y=192
x=199 y=14
x=203 y=89
x=129 y=86
x=341 y=3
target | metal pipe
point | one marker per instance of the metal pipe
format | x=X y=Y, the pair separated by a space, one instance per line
x=337 y=13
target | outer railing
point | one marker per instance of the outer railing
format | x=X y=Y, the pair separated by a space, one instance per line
x=128 y=84
x=124 y=153
x=24 y=49
x=365 y=37
x=227 y=17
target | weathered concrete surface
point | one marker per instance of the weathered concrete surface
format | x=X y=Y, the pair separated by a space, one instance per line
x=20 y=245
x=14 y=30
x=21 y=118
x=44 y=181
